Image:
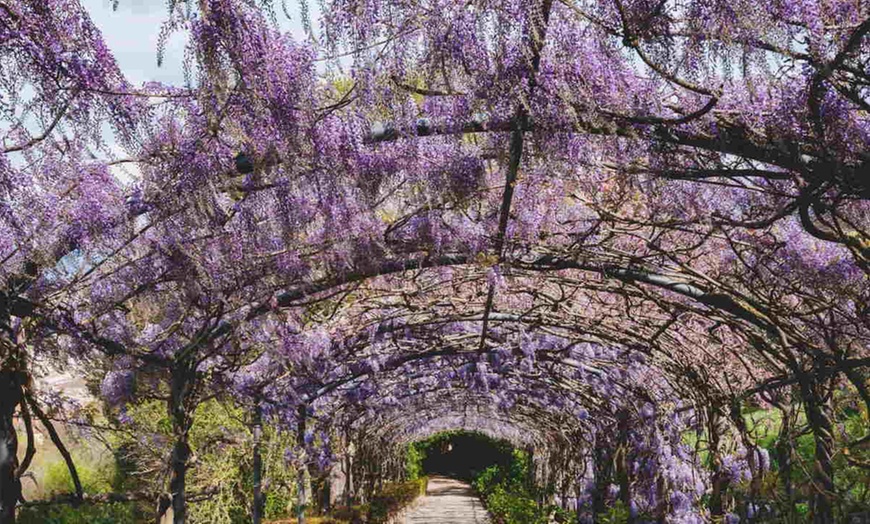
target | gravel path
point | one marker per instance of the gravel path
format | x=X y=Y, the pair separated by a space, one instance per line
x=447 y=501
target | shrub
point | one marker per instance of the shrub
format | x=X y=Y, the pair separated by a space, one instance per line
x=114 y=513
x=414 y=456
x=393 y=498
x=507 y=495
x=618 y=514
x=94 y=478
x=514 y=507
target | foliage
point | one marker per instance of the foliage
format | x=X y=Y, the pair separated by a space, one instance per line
x=514 y=508
x=508 y=495
x=617 y=514
x=57 y=479
x=49 y=475
x=219 y=439
x=110 y=513
x=51 y=478
x=393 y=498
x=414 y=461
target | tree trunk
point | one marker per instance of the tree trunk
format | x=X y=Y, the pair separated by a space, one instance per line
x=58 y=443
x=718 y=478
x=13 y=380
x=622 y=463
x=819 y=419
x=182 y=389
x=530 y=473
x=662 y=505
x=602 y=464
x=257 y=510
x=736 y=413
x=348 y=471
x=301 y=492
x=563 y=475
x=10 y=485
x=783 y=456
x=579 y=491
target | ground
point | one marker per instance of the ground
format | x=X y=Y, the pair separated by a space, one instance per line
x=447 y=501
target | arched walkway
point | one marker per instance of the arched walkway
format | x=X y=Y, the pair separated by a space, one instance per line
x=448 y=501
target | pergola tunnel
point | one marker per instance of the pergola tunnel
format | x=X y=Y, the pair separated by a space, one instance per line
x=575 y=447
x=431 y=261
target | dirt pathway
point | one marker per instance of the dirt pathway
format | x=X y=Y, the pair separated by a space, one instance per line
x=448 y=501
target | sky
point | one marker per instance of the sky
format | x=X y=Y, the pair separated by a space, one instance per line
x=132 y=32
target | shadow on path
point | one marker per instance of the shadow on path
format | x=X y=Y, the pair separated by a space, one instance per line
x=447 y=501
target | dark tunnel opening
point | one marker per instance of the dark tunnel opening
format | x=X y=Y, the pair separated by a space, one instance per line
x=462 y=454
